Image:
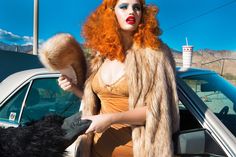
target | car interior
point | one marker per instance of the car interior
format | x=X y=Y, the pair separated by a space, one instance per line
x=192 y=140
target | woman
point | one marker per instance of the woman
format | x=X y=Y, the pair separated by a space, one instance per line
x=130 y=94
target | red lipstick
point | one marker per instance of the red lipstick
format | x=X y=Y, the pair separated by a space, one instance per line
x=130 y=20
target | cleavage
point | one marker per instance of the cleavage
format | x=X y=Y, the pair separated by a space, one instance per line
x=112 y=71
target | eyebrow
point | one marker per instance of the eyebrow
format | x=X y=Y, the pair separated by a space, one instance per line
x=137 y=4
x=123 y=4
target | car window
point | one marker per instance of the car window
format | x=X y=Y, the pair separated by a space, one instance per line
x=218 y=95
x=190 y=124
x=187 y=120
x=10 y=111
x=46 y=97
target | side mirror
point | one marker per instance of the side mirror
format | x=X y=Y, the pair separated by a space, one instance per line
x=196 y=142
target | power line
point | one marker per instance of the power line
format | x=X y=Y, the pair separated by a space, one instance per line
x=200 y=15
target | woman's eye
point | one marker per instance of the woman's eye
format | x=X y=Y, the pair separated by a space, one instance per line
x=123 y=6
x=137 y=7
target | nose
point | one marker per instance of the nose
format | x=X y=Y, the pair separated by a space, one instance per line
x=131 y=10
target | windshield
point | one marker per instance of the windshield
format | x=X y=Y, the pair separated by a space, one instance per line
x=218 y=94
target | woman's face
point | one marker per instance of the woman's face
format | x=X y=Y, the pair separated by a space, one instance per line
x=128 y=14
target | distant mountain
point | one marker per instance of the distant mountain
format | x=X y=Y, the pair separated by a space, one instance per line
x=16 y=48
x=209 y=51
x=207 y=54
x=221 y=61
x=175 y=51
x=217 y=53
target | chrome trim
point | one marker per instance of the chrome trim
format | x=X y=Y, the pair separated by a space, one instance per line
x=23 y=103
x=207 y=119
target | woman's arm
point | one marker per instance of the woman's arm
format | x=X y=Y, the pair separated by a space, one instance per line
x=103 y=121
x=133 y=117
x=67 y=85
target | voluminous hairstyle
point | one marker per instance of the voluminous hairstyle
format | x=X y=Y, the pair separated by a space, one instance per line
x=101 y=30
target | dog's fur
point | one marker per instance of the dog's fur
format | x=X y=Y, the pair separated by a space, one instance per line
x=60 y=52
x=43 y=138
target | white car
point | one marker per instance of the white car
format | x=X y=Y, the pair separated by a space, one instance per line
x=207 y=107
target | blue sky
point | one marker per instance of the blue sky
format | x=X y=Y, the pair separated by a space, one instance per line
x=206 y=23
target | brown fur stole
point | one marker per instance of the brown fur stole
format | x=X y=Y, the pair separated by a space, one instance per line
x=151 y=83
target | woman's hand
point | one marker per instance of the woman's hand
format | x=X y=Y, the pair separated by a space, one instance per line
x=100 y=123
x=67 y=85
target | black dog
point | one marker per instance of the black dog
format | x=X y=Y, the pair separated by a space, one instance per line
x=48 y=137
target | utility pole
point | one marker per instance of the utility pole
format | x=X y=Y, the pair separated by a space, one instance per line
x=222 y=67
x=17 y=48
x=35 y=42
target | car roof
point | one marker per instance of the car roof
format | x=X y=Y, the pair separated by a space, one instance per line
x=8 y=85
x=183 y=72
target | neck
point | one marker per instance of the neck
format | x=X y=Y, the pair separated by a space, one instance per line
x=126 y=39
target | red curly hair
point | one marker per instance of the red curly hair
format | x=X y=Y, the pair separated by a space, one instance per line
x=101 y=30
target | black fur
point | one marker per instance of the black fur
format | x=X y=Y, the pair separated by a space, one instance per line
x=43 y=138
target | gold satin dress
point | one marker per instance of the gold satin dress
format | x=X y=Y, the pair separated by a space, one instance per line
x=115 y=141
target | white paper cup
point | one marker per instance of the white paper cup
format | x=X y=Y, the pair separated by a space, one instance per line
x=187 y=56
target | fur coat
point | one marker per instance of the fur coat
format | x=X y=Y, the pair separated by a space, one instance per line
x=151 y=82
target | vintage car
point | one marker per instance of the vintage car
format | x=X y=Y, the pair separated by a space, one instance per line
x=207 y=105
